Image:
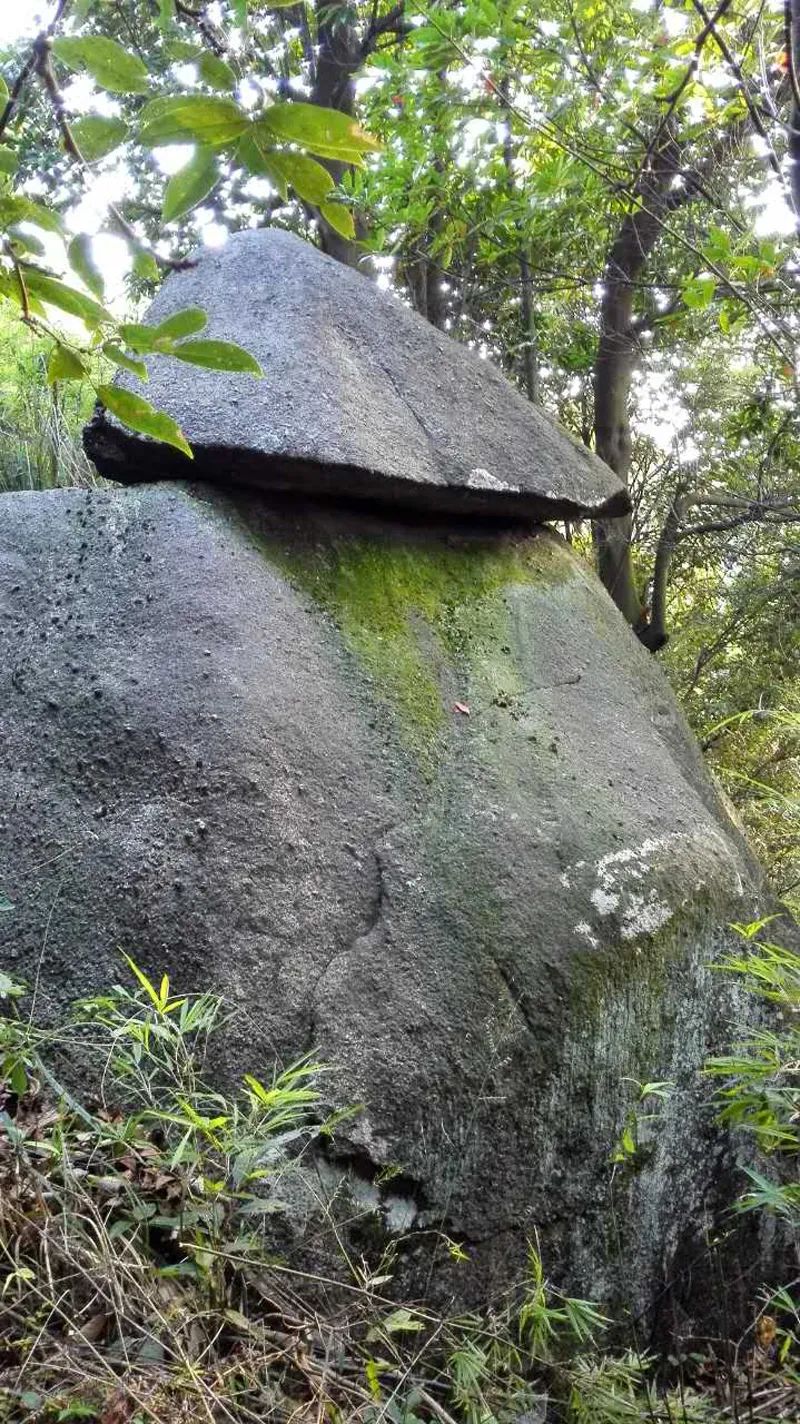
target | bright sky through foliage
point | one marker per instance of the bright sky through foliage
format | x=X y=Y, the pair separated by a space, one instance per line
x=21 y=17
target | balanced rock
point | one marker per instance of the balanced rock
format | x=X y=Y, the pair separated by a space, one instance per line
x=407 y=790
x=362 y=399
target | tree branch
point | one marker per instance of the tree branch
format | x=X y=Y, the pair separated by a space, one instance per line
x=30 y=65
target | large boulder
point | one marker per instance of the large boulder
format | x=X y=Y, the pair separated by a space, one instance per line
x=410 y=794
x=397 y=779
x=362 y=399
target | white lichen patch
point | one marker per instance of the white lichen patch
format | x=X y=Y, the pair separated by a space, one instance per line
x=586 y=931
x=644 y=916
x=484 y=479
x=604 y=903
x=675 y=865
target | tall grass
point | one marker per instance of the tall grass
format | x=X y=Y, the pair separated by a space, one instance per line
x=40 y=425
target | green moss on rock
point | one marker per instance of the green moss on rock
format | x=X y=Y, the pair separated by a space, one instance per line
x=414 y=610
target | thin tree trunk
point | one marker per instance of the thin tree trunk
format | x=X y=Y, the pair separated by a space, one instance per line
x=528 y=322
x=530 y=343
x=614 y=367
x=339 y=54
x=655 y=635
x=792 y=41
x=340 y=51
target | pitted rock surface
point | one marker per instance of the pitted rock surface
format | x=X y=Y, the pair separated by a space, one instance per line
x=361 y=399
x=413 y=797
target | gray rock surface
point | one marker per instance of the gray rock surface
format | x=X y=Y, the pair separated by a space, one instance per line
x=361 y=399
x=415 y=797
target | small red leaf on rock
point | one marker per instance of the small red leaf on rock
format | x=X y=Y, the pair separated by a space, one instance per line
x=462 y=708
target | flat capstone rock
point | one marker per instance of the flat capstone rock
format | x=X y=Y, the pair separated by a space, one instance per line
x=361 y=399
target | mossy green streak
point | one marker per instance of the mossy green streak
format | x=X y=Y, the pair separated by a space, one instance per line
x=411 y=609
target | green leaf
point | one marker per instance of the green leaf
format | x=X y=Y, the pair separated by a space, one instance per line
x=162 y=338
x=138 y=337
x=398 y=1322
x=9 y=988
x=190 y=185
x=258 y=160
x=9 y=161
x=218 y=356
x=81 y=260
x=216 y=73
x=116 y=354
x=65 y=365
x=309 y=179
x=23 y=242
x=182 y=323
x=17 y=209
x=698 y=293
x=4 y=96
x=717 y=247
x=324 y=131
x=340 y=218
x=58 y=294
x=199 y=117
x=401 y=1320
x=145 y=265
x=139 y=415
x=182 y=51
x=96 y=137
x=109 y=65
x=11 y=289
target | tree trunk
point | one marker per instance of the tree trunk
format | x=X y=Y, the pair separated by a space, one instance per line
x=339 y=54
x=792 y=21
x=528 y=322
x=613 y=375
x=615 y=363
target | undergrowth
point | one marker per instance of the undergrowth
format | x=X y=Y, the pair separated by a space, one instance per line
x=40 y=424
x=142 y=1279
